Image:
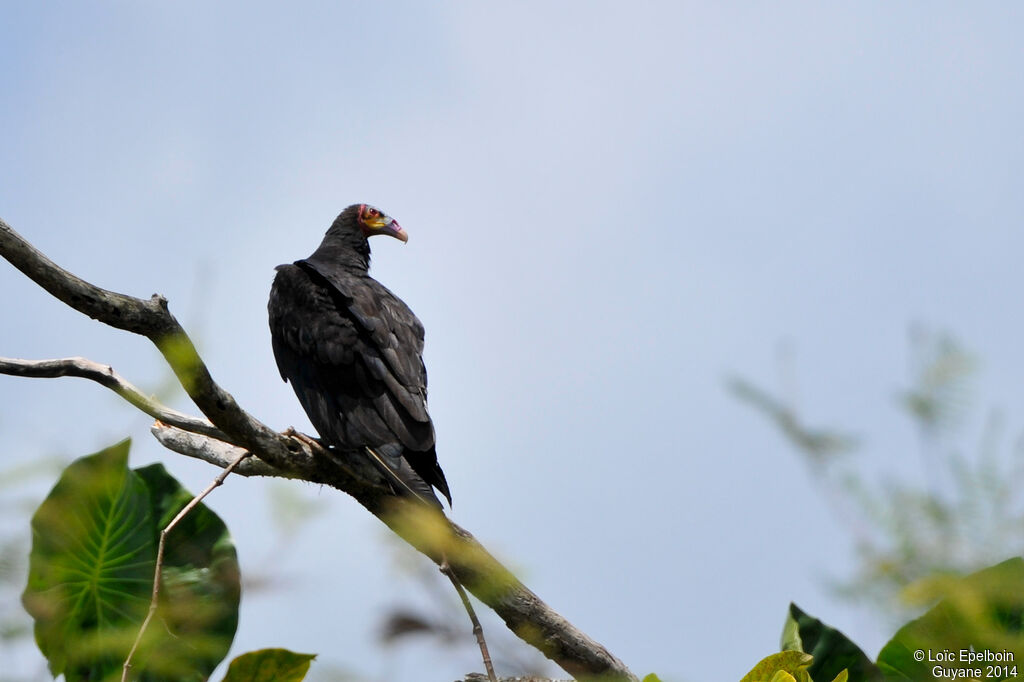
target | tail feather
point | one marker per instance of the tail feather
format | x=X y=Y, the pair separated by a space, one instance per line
x=402 y=476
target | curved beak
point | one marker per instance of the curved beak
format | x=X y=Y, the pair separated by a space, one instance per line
x=392 y=228
x=385 y=224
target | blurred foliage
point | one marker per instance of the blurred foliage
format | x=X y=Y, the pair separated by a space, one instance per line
x=940 y=394
x=94 y=547
x=976 y=626
x=819 y=445
x=962 y=513
x=444 y=621
x=982 y=614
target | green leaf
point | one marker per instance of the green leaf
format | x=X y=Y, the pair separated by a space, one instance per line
x=200 y=591
x=91 y=565
x=91 y=575
x=271 y=665
x=793 y=663
x=833 y=652
x=651 y=678
x=983 y=612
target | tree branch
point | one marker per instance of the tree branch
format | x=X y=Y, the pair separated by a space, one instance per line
x=106 y=376
x=215 y=452
x=152 y=319
x=427 y=530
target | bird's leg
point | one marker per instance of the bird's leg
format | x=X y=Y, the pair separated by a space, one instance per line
x=478 y=630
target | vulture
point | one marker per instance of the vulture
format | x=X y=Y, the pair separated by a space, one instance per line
x=353 y=353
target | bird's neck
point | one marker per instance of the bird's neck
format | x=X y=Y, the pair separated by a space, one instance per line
x=350 y=254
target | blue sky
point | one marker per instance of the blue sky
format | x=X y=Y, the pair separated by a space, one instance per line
x=611 y=209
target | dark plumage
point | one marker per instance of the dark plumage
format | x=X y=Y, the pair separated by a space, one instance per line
x=352 y=351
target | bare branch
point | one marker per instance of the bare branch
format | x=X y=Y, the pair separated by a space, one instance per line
x=106 y=376
x=426 y=529
x=215 y=452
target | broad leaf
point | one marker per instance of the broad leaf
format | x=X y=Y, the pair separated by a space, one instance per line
x=983 y=612
x=91 y=575
x=269 y=665
x=833 y=652
x=91 y=566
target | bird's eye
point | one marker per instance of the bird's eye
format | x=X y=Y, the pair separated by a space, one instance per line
x=373 y=213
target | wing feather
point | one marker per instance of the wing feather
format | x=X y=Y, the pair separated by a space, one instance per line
x=353 y=353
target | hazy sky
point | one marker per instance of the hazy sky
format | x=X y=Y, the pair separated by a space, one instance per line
x=612 y=207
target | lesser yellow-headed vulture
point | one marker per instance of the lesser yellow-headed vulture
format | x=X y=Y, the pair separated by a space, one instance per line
x=352 y=351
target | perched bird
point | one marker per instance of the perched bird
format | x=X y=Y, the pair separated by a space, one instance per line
x=352 y=351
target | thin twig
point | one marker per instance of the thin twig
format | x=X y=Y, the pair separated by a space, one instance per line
x=478 y=630
x=219 y=480
x=106 y=376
